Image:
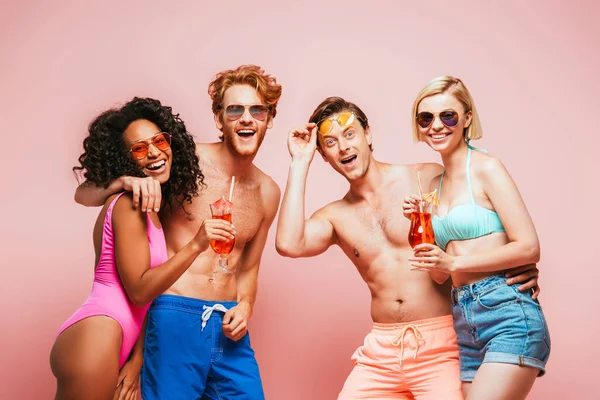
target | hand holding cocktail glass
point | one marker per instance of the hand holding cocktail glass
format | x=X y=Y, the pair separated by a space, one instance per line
x=419 y=209
x=222 y=210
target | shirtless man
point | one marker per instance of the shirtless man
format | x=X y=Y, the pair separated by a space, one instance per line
x=411 y=351
x=191 y=348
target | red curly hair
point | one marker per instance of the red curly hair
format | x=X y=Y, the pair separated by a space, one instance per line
x=267 y=87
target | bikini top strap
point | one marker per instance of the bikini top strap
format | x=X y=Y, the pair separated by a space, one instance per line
x=441 y=179
x=469 y=169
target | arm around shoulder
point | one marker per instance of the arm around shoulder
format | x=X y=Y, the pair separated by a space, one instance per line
x=89 y=195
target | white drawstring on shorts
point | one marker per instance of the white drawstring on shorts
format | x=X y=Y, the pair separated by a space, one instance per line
x=208 y=312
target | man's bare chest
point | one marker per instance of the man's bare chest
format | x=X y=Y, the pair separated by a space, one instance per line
x=366 y=231
x=247 y=212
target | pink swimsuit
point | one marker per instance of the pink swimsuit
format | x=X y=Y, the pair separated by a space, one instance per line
x=108 y=296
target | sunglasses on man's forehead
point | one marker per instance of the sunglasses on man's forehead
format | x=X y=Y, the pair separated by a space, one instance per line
x=343 y=119
x=234 y=112
x=448 y=118
x=139 y=149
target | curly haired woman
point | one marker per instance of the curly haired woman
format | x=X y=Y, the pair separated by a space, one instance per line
x=91 y=355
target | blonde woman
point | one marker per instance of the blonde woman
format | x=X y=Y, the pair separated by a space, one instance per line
x=482 y=229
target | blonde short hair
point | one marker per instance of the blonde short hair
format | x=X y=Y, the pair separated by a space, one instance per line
x=456 y=88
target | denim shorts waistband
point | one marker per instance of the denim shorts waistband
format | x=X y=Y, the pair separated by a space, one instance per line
x=473 y=289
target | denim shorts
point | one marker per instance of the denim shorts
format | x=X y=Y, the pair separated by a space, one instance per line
x=496 y=323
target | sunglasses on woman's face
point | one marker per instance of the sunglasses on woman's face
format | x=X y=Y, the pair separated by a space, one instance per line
x=234 y=112
x=448 y=118
x=344 y=119
x=139 y=148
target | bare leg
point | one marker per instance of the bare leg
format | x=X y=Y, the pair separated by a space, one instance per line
x=85 y=359
x=366 y=382
x=466 y=388
x=496 y=381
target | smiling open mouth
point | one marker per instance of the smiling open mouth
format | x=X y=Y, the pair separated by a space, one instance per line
x=349 y=159
x=246 y=133
x=155 y=166
x=438 y=136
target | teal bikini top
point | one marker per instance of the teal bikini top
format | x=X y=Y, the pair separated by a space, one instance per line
x=465 y=221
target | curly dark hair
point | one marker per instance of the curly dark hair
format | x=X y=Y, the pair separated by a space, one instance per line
x=105 y=157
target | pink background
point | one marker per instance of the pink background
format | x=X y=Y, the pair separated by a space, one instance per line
x=531 y=66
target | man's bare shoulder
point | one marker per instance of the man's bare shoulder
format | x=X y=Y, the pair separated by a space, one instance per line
x=201 y=146
x=430 y=174
x=429 y=169
x=266 y=183
x=205 y=153
x=205 y=149
x=403 y=170
x=331 y=210
x=269 y=191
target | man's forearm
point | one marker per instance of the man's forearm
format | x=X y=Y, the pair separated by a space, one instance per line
x=439 y=277
x=247 y=287
x=90 y=195
x=290 y=227
x=138 y=350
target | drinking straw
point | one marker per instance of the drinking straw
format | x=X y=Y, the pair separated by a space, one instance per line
x=421 y=216
x=231 y=188
x=420 y=188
